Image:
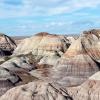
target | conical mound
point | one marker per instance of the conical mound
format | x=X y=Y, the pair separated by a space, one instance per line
x=7 y=45
x=78 y=63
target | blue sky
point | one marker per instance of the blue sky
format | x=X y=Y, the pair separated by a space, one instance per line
x=27 y=17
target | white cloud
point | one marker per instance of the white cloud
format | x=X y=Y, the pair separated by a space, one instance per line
x=54 y=24
x=44 y=7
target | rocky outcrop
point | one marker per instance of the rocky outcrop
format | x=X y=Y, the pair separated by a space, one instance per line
x=37 y=91
x=7 y=45
x=45 y=47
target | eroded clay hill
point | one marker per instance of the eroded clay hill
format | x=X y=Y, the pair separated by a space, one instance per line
x=44 y=46
x=7 y=45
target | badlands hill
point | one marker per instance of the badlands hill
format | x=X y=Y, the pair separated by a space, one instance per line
x=27 y=73
x=44 y=46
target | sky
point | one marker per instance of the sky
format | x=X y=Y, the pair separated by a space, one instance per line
x=27 y=17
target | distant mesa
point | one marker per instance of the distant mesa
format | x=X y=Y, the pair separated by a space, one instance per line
x=44 y=34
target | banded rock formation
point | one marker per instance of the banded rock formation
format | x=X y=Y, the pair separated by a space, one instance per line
x=43 y=45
